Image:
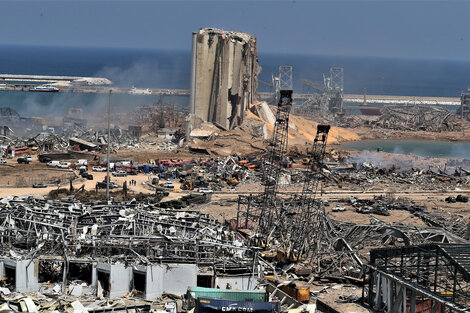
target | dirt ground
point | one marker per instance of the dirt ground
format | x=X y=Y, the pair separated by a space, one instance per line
x=13 y=174
x=40 y=172
x=223 y=205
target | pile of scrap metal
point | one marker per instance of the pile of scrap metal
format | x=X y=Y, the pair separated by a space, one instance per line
x=454 y=223
x=222 y=172
x=345 y=247
x=42 y=141
x=416 y=117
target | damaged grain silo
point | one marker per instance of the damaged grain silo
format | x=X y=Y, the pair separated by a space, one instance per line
x=224 y=76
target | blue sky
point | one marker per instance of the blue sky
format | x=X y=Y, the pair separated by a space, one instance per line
x=421 y=29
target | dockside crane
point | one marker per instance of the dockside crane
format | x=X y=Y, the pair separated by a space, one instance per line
x=270 y=210
x=309 y=222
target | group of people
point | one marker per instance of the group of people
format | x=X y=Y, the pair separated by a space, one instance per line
x=133 y=182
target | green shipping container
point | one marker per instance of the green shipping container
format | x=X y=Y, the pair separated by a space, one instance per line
x=193 y=293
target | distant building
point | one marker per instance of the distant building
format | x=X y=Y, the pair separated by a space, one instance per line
x=464 y=109
x=167 y=133
x=135 y=131
x=74 y=118
x=19 y=125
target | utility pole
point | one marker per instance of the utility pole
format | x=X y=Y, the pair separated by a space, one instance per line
x=109 y=146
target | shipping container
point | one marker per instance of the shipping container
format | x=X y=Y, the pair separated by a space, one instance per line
x=194 y=293
x=210 y=305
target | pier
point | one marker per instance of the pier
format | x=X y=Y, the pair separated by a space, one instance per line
x=73 y=84
x=348 y=98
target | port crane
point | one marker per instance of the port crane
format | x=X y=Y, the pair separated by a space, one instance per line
x=270 y=211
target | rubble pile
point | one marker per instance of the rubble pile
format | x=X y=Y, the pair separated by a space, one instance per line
x=48 y=142
x=363 y=237
x=220 y=173
x=79 y=138
x=12 y=121
x=119 y=137
x=43 y=141
x=246 y=139
x=416 y=118
x=369 y=177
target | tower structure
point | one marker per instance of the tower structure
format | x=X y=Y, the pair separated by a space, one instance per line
x=275 y=163
x=309 y=217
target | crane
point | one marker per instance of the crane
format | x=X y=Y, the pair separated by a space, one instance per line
x=273 y=165
x=308 y=218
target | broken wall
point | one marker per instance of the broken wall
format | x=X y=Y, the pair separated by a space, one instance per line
x=25 y=274
x=120 y=278
x=178 y=277
x=225 y=74
x=236 y=282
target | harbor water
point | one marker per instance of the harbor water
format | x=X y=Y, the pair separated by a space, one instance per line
x=425 y=148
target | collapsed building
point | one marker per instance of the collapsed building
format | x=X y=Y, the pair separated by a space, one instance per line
x=111 y=249
x=74 y=118
x=224 y=76
x=18 y=124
